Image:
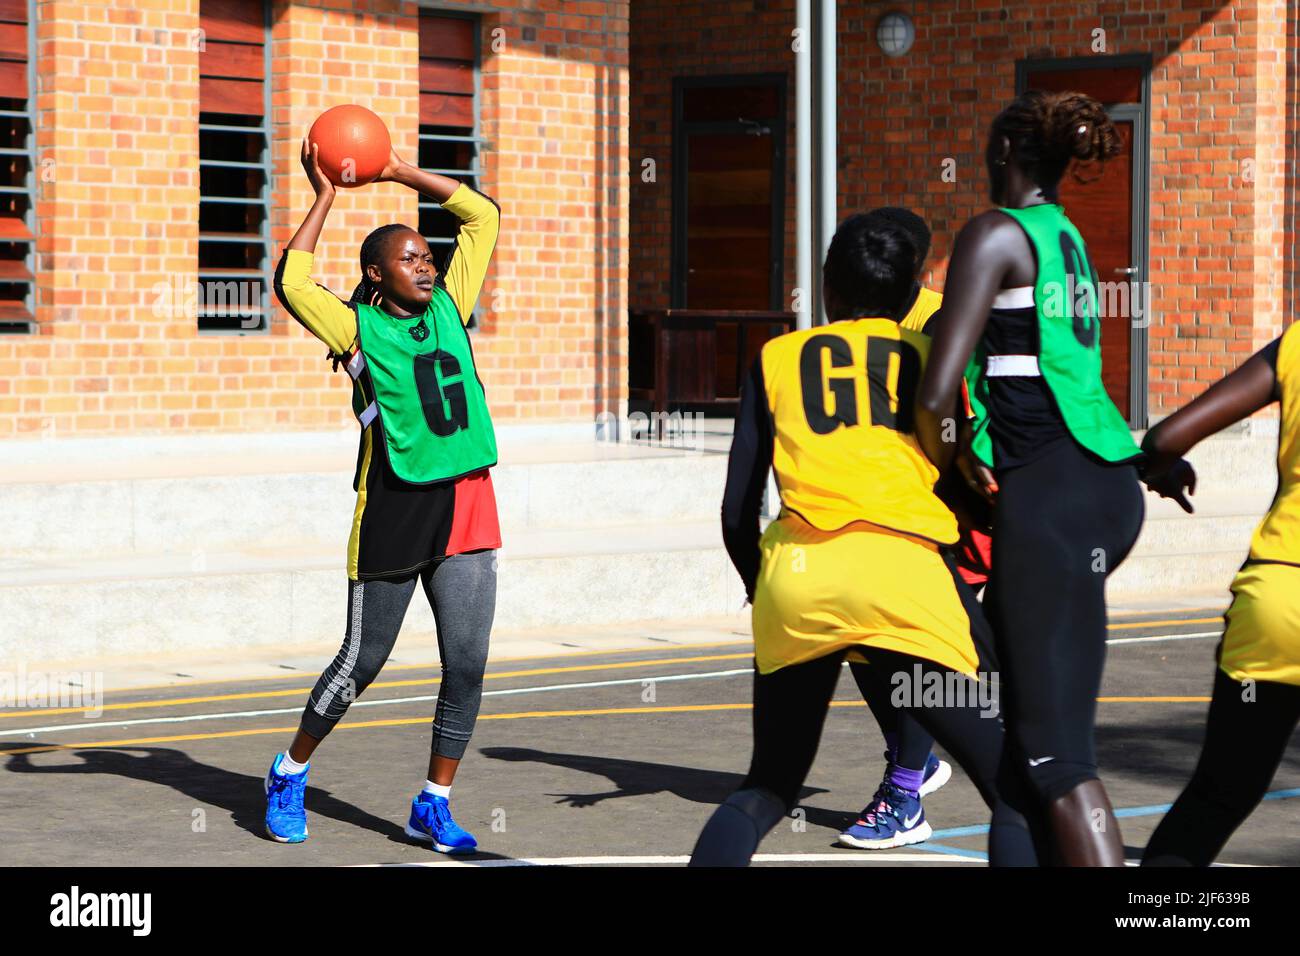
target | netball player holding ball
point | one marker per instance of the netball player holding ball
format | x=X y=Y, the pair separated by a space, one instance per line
x=425 y=511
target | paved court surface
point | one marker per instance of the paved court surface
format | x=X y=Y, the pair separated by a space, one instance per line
x=594 y=756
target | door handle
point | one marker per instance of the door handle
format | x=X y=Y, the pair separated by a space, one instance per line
x=1132 y=270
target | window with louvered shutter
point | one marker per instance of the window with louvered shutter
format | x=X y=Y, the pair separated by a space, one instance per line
x=449 y=116
x=234 y=166
x=17 y=166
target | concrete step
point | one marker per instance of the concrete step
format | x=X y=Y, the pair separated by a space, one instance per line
x=203 y=504
x=1178 y=553
x=105 y=605
x=1220 y=522
x=134 y=547
x=1144 y=575
x=1241 y=459
x=255 y=597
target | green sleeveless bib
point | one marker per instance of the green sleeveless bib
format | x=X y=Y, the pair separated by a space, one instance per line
x=1069 y=356
x=432 y=410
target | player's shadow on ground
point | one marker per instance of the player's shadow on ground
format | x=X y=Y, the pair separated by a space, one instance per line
x=240 y=795
x=1166 y=753
x=634 y=778
x=1162 y=755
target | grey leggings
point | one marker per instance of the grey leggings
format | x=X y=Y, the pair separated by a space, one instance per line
x=462 y=591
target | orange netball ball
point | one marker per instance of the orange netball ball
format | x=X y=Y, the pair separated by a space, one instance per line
x=354 y=145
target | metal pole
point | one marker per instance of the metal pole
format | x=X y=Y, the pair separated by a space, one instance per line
x=803 y=206
x=826 y=145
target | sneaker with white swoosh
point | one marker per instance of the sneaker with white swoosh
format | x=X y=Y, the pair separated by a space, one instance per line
x=894 y=818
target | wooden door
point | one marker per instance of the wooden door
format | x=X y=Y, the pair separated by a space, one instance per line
x=1102 y=210
x=728 y=196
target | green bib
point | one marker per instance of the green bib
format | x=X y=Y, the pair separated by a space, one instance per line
x=1069 y=336
x=431 y=407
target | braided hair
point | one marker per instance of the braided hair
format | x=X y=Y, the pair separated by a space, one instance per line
x=371 y=251
x=1048 y=131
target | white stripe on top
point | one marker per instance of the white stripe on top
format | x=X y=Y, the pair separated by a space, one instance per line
x=1005 y=366
x=1021 y=297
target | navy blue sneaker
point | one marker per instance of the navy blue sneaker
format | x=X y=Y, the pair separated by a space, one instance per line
x=893 y=818
x=286 y=820
x=937 y=773
x=431 y=822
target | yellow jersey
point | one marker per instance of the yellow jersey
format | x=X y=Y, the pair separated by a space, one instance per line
x=1278 y=536
x=927 y=304
x=841 y=397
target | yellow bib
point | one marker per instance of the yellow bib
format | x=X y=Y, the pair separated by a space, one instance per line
x=1278 y=536
x=927 y=304
x=841 y=398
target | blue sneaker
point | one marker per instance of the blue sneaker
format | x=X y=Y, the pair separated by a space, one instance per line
x=937 y=773
x=431 y=822
x=893 y=818
x=286 y=820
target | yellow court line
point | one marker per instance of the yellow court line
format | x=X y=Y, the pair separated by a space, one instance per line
x=421 y=682
x=518 y=715
x=1186 y=620
x=397 y=722
x=403 y=667
x=616 y=650
x=1153 y=700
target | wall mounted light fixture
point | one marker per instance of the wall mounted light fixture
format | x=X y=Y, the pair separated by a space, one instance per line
x=895 y=33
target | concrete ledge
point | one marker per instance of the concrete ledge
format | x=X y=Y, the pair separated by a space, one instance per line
x=558 y=486
x=247 y=599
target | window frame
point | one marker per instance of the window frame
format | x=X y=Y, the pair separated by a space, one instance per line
x=27 y=326
x=265 y=199
x=475 y=139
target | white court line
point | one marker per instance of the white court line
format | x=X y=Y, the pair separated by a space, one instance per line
x=1163 y=637
x=221 y=715
x=425 y=698
x=846 y=857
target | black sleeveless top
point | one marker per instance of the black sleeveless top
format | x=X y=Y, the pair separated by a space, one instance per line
x=1024 y=420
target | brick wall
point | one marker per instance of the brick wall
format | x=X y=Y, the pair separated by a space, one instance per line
x=117 y=123
x=1218 y=99
x=117 y=140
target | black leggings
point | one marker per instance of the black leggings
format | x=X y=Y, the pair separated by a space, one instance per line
x=1244 y=742
x=1063 y=523
x=913 y=743
x=790 y=708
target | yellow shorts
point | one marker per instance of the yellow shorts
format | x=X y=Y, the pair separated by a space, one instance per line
x=862 y=586
x=1262 y=641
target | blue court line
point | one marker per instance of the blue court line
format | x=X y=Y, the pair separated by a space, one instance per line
x=949 y=850
x=976 y=830
x=1148 y=811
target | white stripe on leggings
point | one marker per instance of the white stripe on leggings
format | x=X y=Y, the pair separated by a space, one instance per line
x=354 y=648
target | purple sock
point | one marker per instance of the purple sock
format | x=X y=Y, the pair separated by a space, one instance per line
x=905 y=779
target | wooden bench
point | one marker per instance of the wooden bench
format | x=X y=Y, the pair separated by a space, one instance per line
x=696 y=359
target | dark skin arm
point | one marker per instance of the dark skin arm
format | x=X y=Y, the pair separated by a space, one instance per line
x=991 y=253
x=308 y=233
x=434 y=185
x=1237 y=396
